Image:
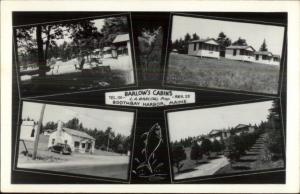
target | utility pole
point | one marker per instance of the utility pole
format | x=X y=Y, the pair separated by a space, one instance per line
x=37 y=134
x=108 y=142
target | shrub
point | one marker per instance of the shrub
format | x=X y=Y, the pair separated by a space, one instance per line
x=206 y=146
x=216 y=146
x=196 y=153
x=179 y=155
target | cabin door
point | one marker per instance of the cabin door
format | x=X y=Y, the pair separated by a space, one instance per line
x=222 y=53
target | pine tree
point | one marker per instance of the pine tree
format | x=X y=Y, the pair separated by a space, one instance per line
x=263 y=46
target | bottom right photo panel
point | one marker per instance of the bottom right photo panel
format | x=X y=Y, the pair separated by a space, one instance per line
x=226 y=140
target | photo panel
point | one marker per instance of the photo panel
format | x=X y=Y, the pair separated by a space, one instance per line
x=75 y=55
x=227 y=140
x=72 y=140
x=225 y=54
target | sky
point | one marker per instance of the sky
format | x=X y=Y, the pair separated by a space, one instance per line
x=209 y=28
x=120 y=121
x=196 y=122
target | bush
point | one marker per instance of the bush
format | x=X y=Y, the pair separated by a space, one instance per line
x=179 y=155
x=206 y=146
x=216 y=146
x=196 y=153
x=273 y=143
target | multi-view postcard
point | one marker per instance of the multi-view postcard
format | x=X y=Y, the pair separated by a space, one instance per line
x=149 y=98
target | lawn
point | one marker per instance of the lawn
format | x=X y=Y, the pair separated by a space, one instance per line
x=65 y=78
x=222 y=74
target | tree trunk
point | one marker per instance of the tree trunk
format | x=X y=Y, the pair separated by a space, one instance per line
x=41 y=59
x=47 y=43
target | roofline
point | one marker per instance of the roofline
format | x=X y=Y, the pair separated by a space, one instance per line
x=243 y=48
x=81 y=136
x=195 y=41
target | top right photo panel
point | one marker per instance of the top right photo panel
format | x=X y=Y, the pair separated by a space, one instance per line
x=228 y=55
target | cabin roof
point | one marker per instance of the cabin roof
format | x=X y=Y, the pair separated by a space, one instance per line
x=28 y=123
x=121 y=38
x=77 y=133
x=239 y=126
x=203 y=40
x=214 y=132
x=240 y=47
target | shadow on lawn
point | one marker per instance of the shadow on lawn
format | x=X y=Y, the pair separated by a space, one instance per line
x=246 y=160
x=240 y=167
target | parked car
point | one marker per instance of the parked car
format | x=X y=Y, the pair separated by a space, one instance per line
x=61 y=148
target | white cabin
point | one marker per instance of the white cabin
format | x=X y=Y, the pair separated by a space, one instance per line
x=204 y=48
x=241 y=53
x=267 y=57
x=78 y=141
x=28 y=130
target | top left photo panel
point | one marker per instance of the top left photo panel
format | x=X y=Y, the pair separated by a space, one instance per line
x=74 y=55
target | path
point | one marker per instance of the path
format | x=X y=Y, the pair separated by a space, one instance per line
x=205 y=169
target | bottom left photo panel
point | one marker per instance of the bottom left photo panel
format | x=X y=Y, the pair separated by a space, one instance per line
x=72 y=140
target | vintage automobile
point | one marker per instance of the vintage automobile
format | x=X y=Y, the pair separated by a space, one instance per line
x=61 y=148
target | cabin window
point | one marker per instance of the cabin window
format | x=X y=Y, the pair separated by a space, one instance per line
x=264 y=57
x=76 y=144
x=234 y=52
x=53 y=141
x=195 y=46
x=242 y=52
x=32 y=133
x=66 y=141
x=256 y=57
x=200 y=46
x=83 y=145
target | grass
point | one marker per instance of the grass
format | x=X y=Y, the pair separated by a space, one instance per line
x=222 y=74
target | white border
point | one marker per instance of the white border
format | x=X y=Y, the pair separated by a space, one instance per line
x=292 y=7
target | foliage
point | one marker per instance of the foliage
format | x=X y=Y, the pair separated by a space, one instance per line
x=216 y=146
x=263 y=46
x=274 y=137
x=240 y=42
x=223 y=40
x=196 y=153
x=178 y=155
x=206 y=146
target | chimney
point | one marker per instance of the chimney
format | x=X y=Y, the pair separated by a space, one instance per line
x=59 y=131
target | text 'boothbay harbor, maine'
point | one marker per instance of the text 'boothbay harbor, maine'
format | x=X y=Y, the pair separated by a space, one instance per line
x=149 y=98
